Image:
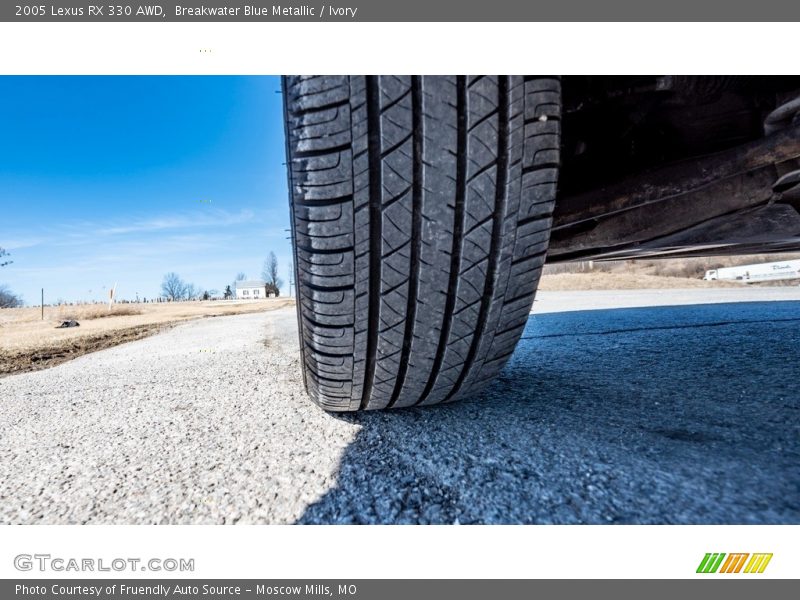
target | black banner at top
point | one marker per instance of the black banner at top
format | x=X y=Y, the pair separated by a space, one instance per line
x=401 y=10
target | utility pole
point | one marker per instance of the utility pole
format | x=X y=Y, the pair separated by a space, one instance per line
x=42 y=304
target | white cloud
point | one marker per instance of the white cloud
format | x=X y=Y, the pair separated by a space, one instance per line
x=19 y=243
x=82 y=232
x=215 y=218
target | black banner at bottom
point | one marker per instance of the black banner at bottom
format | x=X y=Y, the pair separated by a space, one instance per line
x=731 y=588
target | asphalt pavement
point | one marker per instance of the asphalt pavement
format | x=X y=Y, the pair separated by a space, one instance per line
x=683 y=413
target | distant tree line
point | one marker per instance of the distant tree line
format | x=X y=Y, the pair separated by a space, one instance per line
x=174 y=288
x=270 y=275
x=8 y=299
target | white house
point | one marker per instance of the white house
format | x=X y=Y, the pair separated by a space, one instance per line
x=254 y=289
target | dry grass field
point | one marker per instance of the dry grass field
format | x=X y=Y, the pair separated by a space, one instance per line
x=29 y=343
x=675 y=273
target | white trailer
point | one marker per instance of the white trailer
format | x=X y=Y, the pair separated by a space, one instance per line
x=774 y=271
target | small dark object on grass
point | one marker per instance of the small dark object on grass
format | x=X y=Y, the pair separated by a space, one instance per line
x=70 y=323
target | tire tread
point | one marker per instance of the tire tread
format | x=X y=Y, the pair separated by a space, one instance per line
x=421 y=211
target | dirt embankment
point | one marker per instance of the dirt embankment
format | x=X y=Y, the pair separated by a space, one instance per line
x=30 y=343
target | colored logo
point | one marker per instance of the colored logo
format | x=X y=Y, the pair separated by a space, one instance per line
x=719 y=562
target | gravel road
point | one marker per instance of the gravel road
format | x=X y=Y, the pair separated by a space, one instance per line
x=670 y=414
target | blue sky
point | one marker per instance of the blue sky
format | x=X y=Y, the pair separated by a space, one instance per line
x=123 y=179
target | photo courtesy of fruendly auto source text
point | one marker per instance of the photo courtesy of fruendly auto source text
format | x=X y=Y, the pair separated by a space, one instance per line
x=375 y=300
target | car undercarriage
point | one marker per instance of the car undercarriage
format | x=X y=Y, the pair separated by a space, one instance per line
x=667 y=166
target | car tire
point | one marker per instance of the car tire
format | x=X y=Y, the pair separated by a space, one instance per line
x=421 y=214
